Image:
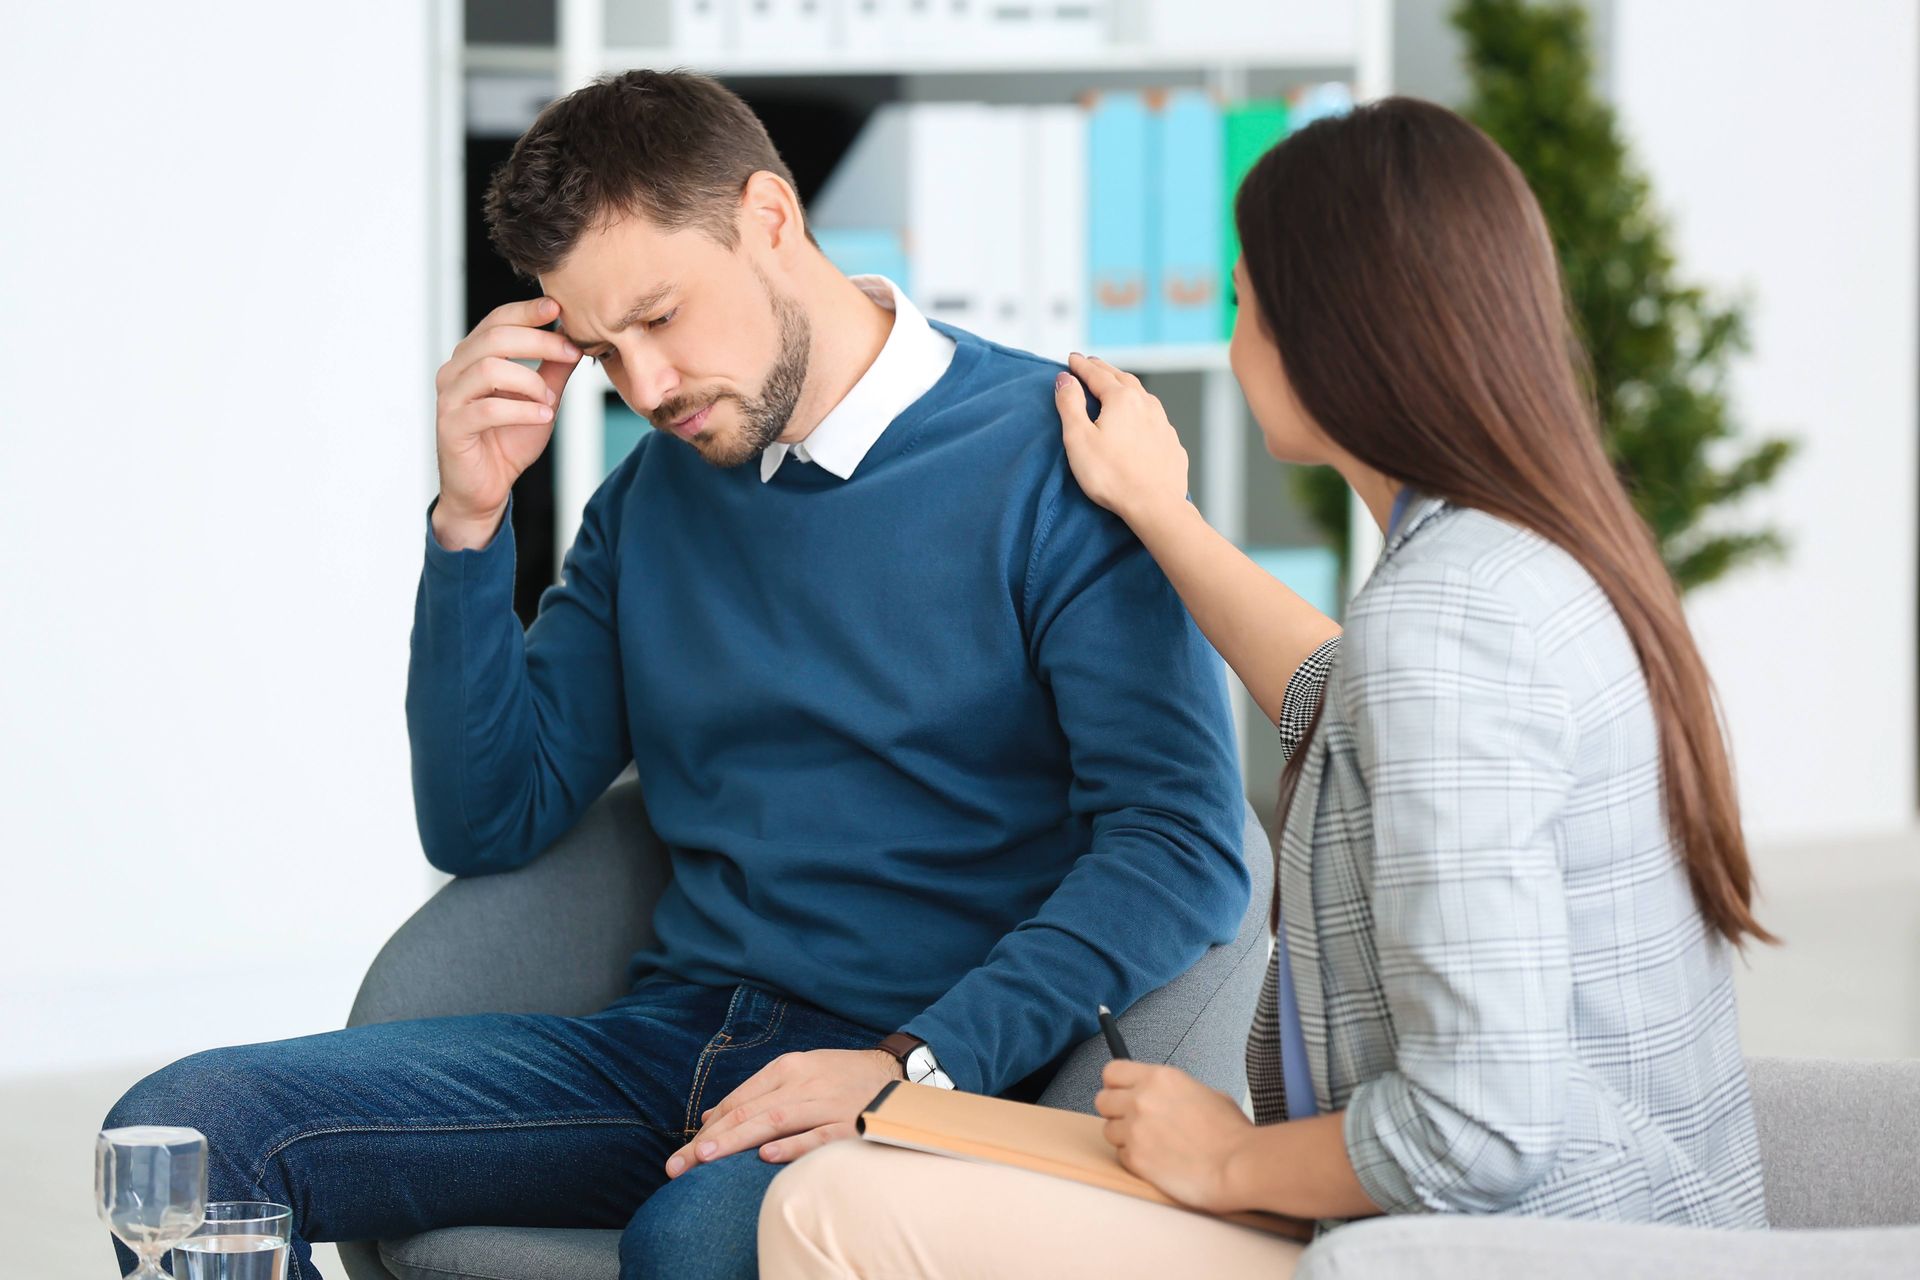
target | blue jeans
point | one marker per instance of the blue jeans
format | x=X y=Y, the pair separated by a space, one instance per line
x=499 y=1120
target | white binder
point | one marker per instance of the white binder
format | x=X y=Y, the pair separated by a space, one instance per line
x=702 y=26
x=869 y=26
x=915 y=169
x=1056 y=220
x=785 y=27
x=1001 y=203
x=1307 y=30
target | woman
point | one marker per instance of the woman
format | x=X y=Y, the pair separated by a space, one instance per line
x=1510 y=864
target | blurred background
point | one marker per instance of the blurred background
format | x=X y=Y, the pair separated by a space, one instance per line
x=239 y=239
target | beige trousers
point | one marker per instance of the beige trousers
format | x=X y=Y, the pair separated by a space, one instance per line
x=856 y=1208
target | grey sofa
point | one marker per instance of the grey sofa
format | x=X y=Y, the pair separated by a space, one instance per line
x=555 y=937
x=1840 y=1142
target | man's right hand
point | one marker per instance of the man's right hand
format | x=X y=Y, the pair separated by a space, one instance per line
x=494 y=416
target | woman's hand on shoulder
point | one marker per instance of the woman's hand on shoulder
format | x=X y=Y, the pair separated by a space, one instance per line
x=1130 y=459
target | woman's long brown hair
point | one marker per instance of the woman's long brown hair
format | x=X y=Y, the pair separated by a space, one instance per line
x=1405 y=273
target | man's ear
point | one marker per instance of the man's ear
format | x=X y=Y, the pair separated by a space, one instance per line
x=770 y=208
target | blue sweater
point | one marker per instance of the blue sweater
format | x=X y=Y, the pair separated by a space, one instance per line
x=935 y=748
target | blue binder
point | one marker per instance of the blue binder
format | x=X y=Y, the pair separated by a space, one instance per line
x=871 y=252
x=1188 y=164
x=1119 y=223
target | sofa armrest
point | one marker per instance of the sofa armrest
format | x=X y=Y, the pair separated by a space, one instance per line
x=554 y=936
x=1838 y=1141
x=1451 y=1247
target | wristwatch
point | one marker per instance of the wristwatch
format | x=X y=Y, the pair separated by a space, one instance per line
x=917 y=1060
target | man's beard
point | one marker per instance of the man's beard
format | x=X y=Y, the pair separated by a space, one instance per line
x=765 y=416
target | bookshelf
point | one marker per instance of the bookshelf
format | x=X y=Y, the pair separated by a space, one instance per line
x=1195 y=377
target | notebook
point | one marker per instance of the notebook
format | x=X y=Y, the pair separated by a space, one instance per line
x=1063 y=1144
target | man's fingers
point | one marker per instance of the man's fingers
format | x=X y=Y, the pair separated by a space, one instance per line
x=555 y=374
x=735 y=1132
x=787 y=1150
x=515 y=331
x=493 y=376
x=532 y=312
x=757 y=1085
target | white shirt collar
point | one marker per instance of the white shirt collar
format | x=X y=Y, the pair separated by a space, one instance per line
x=914 y=357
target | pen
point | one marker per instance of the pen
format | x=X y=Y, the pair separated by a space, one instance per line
x=1115 y=1044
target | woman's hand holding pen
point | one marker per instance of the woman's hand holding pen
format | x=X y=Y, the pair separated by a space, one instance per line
x=1173 y=1131
x=1130 y=459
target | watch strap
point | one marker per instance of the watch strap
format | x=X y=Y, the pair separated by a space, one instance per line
x=900 y=1044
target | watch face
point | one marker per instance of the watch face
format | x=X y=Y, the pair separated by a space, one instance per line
x=923 y=1068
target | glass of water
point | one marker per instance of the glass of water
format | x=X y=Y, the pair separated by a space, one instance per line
x=240 y=1240
x=150 y=1187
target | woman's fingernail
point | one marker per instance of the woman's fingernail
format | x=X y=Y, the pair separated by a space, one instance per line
x=673 y=1166
x=1060 y=381
x=707 y=1149
x=771 y=1153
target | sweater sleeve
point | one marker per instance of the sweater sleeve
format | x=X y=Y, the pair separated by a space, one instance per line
x=513 y=732
x=1142 y=703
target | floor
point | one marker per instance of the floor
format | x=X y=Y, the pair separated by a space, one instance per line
x=1845 y=984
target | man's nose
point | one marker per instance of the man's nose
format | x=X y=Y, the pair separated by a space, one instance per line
x=654 y=382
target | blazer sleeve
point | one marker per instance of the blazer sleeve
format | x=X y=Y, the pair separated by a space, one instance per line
x=1466 y=742
x=1305 y=690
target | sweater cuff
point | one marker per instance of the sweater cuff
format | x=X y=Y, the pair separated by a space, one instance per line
x=951 y=1052
x=471 y=561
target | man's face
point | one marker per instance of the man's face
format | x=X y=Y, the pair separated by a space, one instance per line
x=715 y=354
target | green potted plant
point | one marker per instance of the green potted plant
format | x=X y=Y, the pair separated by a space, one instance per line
x=1660 y=347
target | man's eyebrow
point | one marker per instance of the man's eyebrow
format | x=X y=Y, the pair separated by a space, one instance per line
x=643 y=304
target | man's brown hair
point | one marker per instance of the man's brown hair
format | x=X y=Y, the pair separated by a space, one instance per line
x=672 y=146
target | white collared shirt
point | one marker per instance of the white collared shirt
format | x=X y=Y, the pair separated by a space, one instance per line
x=914 y=357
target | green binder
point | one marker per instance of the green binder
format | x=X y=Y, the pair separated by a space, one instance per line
x=1251 y=129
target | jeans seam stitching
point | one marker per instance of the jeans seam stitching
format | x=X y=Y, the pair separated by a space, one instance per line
x=260 y=1170
x=705 y=1065
x=773 y=1029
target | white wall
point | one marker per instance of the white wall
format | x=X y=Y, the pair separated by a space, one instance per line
x=1784 y=139
x=216 y=431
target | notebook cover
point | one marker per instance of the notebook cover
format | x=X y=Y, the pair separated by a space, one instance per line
x=1063 y=1144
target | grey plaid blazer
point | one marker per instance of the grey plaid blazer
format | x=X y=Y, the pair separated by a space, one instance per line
x=1502 y=975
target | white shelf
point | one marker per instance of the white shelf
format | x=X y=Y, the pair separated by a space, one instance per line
x=1029 y=62
x=1198 y=357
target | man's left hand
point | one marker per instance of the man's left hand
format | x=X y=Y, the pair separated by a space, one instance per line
x=795 y=1103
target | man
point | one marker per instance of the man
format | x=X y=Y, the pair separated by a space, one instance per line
x=938 y=758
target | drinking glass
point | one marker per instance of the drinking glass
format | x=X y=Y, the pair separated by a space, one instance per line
x=240 y=1240
x=150 y=1187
